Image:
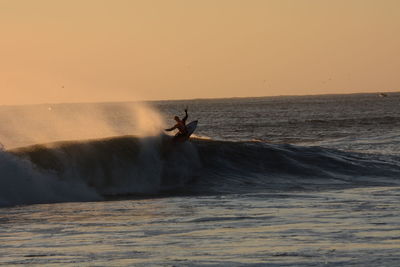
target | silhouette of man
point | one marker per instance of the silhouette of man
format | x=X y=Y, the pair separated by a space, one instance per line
x=180 y=125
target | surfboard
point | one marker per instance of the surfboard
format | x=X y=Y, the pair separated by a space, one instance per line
x=191 y=127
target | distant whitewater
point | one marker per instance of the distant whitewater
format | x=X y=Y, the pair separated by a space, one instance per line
x=132 y=166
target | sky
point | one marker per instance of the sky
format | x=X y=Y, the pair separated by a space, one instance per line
x=127 y=50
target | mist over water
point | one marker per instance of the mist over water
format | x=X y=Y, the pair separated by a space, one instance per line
x=28 y=125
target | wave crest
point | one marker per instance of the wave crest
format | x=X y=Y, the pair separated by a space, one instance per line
x=89 y=170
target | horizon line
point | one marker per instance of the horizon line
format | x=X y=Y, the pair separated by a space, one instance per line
x=191 y=99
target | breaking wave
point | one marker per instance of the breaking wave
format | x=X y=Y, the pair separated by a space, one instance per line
x=96 y=169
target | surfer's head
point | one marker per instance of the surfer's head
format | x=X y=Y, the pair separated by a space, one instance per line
x=177 y=119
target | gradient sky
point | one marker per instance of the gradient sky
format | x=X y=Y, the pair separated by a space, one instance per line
x=120 y=50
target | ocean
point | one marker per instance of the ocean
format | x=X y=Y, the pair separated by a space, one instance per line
x=268 y=181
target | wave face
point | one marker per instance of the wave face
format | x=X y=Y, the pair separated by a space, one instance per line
x=248 y=166
x=128 y=165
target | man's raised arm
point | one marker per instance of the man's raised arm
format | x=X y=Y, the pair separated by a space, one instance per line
x=186 y=116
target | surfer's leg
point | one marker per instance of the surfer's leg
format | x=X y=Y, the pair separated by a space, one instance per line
x=179 y=134
x=179 y=137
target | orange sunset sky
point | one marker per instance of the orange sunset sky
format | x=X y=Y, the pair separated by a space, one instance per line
x=121 y=50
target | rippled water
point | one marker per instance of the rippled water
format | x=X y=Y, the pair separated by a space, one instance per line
x=352 y=227
x=300 y=119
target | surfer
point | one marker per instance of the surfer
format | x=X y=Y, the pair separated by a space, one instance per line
x=180 y=125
